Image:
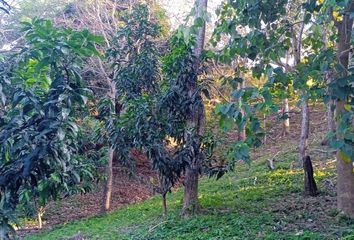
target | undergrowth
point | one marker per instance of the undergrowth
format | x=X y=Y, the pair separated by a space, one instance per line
x=250 y=203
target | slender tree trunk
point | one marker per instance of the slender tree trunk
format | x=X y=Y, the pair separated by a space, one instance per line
x=331 y=125
x=265 y=128
x=286 y=121
x=107 y=191
x=40 y=213
x=164 y=203
x=242 y=136
x=305 y=121
x=195 y=125
x=345 y=178
x=297 y=46
x=163 y=189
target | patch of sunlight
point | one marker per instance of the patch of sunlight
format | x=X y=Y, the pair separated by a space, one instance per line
x=319 y=173
x=285 y=173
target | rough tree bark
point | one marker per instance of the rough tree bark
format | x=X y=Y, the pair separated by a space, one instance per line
x=309 y=180
x=195 y=125
x=345 y=175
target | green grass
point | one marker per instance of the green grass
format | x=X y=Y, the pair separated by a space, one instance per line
x=237 y=206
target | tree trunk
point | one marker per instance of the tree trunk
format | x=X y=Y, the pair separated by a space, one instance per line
x=242 y=136
x=40 y=213
x=305 y=121
x=345 y=178
x=164 y=203
x=190 y=199
x=345 y=186
x=309 y=180
x=265 y=129
x=195 y=124
x=331 y=125
x=107 y=191
x=286 y=121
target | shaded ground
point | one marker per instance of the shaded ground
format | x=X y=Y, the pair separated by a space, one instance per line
x=126 y=190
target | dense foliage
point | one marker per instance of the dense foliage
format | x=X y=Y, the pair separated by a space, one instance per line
x=39 y=125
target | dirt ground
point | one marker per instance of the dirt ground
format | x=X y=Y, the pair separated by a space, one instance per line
x=126 y=190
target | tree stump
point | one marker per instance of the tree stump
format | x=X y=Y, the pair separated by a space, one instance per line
x=310 y=184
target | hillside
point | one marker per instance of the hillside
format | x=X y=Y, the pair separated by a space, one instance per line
x=250 y=203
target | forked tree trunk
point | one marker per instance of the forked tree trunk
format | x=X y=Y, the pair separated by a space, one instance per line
x=195 y=125
x=40 y=213
x=305 y=121
x=286 y=121
x=345 y=178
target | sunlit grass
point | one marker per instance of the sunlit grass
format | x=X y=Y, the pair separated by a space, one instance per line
x=237 y=206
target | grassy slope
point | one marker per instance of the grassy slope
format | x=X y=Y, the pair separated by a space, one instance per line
x=236 y=207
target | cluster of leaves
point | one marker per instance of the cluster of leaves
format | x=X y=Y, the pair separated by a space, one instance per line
x=38 y=130
x=262 y=37
x=138 y=122
x=153 y=96
x=241 y=112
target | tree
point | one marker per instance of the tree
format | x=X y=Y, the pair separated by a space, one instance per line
x=195 y=120
x=38 y=132
x=267 y=34
x=343 y=90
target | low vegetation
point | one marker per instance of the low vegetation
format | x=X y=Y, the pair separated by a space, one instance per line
x=252 y=202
